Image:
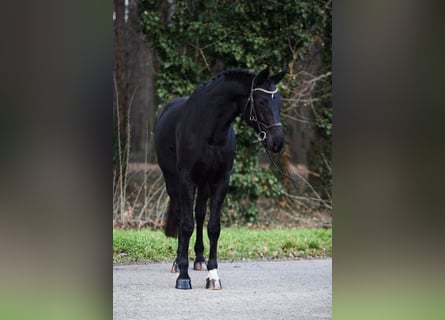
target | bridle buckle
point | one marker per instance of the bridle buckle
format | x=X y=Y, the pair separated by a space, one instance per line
x=262 y=136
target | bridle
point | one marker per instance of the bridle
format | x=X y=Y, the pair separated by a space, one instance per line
x=263 y=128
x=262 y=134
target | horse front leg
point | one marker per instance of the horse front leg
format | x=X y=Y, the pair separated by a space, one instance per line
x=218 y=193
x=200 y=212
x=185 y=230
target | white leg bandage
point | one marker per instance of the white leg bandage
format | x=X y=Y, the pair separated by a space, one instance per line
x=213 y=274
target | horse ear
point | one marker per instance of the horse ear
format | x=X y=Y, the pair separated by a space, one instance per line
x=261 y=77
x=278 y=77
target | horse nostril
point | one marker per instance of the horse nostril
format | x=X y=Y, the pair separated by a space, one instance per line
x=277 y=145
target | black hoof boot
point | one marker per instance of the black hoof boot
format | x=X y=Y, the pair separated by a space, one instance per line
x=213 y=284
x=184 y=284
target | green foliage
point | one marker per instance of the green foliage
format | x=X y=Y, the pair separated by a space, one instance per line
x=248 y=182
x=191 y=39
x=240 y=33
x=234 y=244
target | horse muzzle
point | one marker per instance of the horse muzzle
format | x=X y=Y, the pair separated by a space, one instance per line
x=275 y=140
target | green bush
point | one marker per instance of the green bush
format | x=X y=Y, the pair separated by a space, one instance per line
x=248 y=182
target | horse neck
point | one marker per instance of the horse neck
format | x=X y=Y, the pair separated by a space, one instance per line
x=223 y=104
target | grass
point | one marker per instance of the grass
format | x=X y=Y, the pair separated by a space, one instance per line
x=234 y=244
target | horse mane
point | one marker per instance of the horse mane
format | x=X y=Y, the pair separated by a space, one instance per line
x=228 y=75
x=236 y=74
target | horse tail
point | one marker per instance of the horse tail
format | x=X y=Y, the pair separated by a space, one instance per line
x=171 y=224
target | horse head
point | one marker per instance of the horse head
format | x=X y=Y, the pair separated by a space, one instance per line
x=263 y=107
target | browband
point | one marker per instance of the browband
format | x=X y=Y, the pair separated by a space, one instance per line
x=265 y=91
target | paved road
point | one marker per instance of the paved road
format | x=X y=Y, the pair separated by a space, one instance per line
x=251 y=290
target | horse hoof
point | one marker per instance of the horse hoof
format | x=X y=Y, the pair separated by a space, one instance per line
x=175 y=268
x=213 y=284
x=200 y=266
x=184 y=284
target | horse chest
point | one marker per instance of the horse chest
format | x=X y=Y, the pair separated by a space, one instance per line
x=213 y=164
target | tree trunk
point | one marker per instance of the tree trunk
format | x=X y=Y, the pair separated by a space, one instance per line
x=133 y=72
x=141 y=88
x=120 y=101
x=303 y=131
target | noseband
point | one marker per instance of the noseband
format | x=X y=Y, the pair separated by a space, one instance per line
x=263 y=128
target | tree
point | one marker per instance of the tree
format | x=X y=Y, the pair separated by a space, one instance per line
x=134 y=103
x=134 y=78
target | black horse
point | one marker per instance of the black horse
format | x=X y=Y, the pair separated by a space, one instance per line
x=195 y=145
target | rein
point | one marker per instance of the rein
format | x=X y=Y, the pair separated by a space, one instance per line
x=277 y=168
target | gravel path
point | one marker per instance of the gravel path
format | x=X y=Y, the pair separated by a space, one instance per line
x=251 y=290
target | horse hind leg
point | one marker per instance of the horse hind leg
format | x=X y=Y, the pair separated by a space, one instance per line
x=200 y=212
x=172 y=214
